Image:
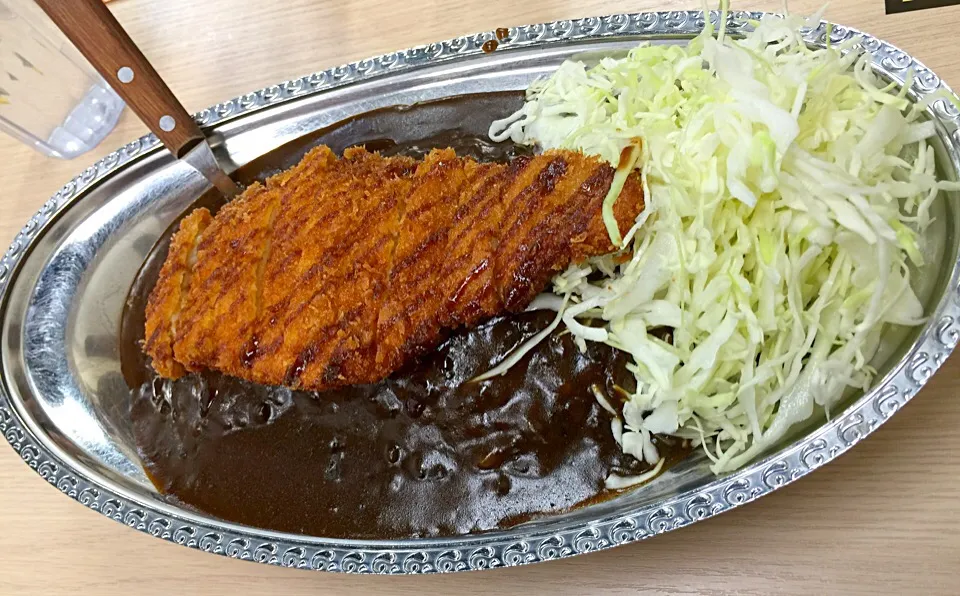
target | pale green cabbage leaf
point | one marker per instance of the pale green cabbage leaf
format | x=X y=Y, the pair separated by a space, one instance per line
x=787 y=193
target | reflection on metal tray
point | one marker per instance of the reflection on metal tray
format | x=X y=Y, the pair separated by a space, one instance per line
x=64 y=402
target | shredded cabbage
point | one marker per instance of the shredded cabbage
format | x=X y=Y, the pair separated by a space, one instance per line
x=787 y=191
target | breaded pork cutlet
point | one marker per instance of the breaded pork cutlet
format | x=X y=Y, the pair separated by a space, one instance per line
x=327 y=274
x=341 y=271
x=169 y=295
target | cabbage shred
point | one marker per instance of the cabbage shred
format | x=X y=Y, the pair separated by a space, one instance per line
x=787 y=193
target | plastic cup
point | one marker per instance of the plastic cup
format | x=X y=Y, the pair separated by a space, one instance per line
x=50 y=97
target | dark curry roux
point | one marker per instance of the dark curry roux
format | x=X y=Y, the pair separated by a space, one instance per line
x=423 y=453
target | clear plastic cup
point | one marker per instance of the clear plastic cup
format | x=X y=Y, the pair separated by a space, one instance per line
x=50 y=96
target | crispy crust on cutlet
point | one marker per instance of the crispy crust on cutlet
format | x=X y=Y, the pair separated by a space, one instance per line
x=167 y=298
x=222 y=302
x=340 y=271
x=297 y=241
x=322 y=282
x=406 y=325
x=542 y=217
x=590 y=237
x=535 y=239
x=359 y=294
x=465 y=279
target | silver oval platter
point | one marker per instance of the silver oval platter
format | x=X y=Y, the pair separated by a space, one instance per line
x=63 y=282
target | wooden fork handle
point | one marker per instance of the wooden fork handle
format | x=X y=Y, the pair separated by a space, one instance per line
x=91 y=27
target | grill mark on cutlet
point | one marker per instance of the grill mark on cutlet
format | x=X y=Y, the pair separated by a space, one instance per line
x=354 y=358
x=366 y=282
x=420 y=244
x=425 y=321
x=485 y=299
x=593 y=239
x=339 y=268
x=316 y=228
x=552 y=229
x=424 y=332
x=442 y=167
x=431 y=167
x=313 y=163
x=362 y=362
x=384 y=168
x=472 y=203
x=544 y=246
x=521 y=208
x=478 y=219
x=295 y=207
x=294 y=197
x=168 y=297
x=312 y=218
x=371 y=261
x=308 y=355
x=593 y=190
x=544 y=201
x=338 y=254
x=245 y=331
x=203 y=345
x=220 y=303
x=249 y=352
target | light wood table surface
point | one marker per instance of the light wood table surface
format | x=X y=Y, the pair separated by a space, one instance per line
x=884 y=518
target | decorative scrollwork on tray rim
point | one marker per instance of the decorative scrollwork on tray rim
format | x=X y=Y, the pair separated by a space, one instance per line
x=498 y=549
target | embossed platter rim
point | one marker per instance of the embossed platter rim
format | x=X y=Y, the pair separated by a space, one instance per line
x=539 y=541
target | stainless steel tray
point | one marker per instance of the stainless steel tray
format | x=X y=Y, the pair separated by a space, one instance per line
x=63 y=401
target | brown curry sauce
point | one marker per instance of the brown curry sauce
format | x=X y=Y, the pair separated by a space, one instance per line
x=423 y=453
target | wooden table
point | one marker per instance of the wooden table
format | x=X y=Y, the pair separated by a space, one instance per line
x=884 y=518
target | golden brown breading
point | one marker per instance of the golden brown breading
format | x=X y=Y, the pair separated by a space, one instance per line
x=404 y=325
x=167 y=297
x=344 y=353
x=465 y=277
x=341 y=271
x=222 y=302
